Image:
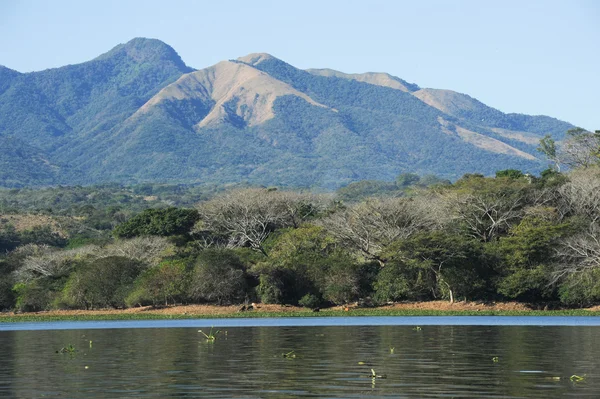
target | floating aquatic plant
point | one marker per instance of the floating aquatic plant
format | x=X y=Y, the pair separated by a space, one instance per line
x=375 y=375
x=495 y=359
x=210 y=337
x=577 y=378
x=67 y=349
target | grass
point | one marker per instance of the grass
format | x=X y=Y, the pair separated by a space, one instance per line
x=37 y=317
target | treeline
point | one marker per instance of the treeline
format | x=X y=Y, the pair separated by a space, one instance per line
x=510 y=237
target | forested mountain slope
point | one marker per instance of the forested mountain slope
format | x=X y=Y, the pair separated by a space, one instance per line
x=139 y=114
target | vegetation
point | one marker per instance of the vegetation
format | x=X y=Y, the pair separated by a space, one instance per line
x=509 y=237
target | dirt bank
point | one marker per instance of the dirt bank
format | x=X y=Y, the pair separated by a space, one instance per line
x=208 y=310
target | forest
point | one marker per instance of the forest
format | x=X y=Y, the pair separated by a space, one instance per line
x=514 y=236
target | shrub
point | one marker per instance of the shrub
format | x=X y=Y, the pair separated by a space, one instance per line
x=160 y=284
x=391 y=283
x=218 y=276
x=103 y=282
x=309 y=301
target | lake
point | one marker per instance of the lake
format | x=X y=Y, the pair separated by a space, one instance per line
x=419 y=357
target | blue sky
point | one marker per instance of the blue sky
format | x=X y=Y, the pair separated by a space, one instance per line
x=528 y=56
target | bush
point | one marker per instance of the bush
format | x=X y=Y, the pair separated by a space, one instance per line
x=391 y=283
x=34 y=296
x=341 y=283
x=270 y=288
x=218 y=276
x=161 y=284
x=103 y=282
x=7 y=297
x=309 y=301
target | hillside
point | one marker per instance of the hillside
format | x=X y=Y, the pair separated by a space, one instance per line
x=139 y=114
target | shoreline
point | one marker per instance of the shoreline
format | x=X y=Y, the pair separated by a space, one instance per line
x=432 y=308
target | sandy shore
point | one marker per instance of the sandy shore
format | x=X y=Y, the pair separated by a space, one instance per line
x=208 y=310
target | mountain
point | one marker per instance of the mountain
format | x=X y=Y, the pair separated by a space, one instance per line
x=138 y=113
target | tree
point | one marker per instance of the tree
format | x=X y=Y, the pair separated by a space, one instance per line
x=392 y=283
x=524 y=265
x=455 y=263
x=548 y=148
x=578 y=254
x=407 y=179
x=372 y=225
x=103 y=282
x=218 y=276
x=248 y=217
x=510 y=174
x=581 y=149
x=158 y=222
x=580 y=196
x=487 y=208
x=160 y=284
x=44 y=261
x=307 y=261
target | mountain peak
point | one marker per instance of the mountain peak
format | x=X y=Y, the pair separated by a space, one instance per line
x=256 y=58
x=235 y=89
x=143 y=50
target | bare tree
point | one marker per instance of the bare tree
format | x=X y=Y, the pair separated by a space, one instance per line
x=581 y=194
x=44 y=261
x=147 y=249
x=247 y=217
x=370 y=226
x=577 y=255
x=580 y=149
x=486 y=213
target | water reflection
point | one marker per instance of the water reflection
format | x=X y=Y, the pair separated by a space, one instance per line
x=434 y=362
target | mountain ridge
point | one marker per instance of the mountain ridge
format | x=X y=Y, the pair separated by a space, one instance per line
x=138 y=113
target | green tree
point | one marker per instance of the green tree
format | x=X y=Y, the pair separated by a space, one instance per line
x=218 y=276
x=102 y=282
x=158 y=222
x=456 y=264
x=525 y=271
x=393 y=283
x=161 y=284
x=407 y=179
x=510 y=174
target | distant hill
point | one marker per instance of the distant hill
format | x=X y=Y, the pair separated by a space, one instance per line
x=139 y=114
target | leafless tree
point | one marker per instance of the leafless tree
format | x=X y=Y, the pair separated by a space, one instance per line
x=148 y=249
x=485 y=214
x=370 y=226
x=577 y=255
x=247 y=217
x=47 y=262
x=581 y=194
x=44 y=261
x=580 y=149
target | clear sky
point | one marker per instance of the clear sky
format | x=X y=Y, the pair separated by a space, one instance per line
x=527 y=56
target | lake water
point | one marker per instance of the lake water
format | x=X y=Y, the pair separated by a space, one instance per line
x=475 y=357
